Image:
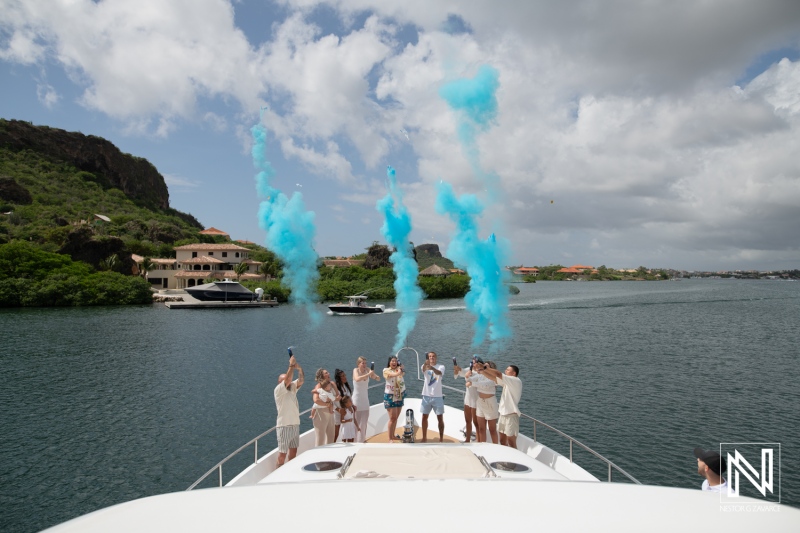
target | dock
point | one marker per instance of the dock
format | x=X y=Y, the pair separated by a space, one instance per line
x=221 y=305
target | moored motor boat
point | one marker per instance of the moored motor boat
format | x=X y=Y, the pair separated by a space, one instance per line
x=222 y=291
x=356 y=305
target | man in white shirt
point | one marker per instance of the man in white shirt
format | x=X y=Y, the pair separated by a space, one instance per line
x=288 y=424
x=508 y=425
x=711 y=465
x=432 y=397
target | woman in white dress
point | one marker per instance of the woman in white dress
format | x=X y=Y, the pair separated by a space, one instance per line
x=324 y=396
x=361 y=377
x=343 y=388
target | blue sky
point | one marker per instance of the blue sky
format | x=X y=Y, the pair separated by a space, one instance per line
x=662 y=134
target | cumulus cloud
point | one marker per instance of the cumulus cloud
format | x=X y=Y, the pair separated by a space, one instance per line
x=634 y=119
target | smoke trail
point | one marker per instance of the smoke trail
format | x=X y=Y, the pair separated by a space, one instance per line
x=475 y=105
x=290 y=230
x=488 y=297
x=395 y=229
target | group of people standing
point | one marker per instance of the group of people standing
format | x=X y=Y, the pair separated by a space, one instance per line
x=342 y=410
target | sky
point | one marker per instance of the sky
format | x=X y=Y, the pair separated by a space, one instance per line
x=661 y=133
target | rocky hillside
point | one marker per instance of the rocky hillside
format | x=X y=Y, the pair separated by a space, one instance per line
x=134 y=176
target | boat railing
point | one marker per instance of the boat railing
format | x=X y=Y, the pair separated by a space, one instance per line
x=572 y=442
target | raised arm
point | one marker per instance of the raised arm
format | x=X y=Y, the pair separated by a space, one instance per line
x=491 y=373
x=356 y=377
x=301 y=377
x=287 y=379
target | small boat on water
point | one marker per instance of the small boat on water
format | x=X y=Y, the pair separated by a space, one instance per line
x=356 y=305
x=222 y=291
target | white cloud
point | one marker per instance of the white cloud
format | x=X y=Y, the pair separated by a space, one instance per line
x=636 y=131
x=47 y=95
x=181 y=182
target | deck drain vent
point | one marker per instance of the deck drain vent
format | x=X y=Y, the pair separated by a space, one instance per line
x=322 y=466
x=506 y=466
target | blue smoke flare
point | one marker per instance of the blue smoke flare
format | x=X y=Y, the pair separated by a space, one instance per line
x=395 y=229
x=290 y=230
x=475 y=105
x=487 y=298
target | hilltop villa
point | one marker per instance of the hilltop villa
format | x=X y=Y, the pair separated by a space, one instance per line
x=197 y=262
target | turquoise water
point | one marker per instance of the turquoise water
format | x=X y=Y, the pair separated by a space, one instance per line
x=100 y=406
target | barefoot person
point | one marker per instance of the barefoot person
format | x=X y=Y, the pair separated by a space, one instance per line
x=509 y=403
x=393 y=394
x=361 y=377
x=470 y=401
x=486 y=411
x=432 y=398
x=288 y=424
x=343 y=388
x=325 y=397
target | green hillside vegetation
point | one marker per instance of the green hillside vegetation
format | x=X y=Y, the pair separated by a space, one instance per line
x=30 y=276
x=63 y=196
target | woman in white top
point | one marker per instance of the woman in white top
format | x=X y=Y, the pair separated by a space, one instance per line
x=486 y=411
x=470 y=401
x=343 y=388
x=324 y=396
x=393 y=394
x=361 y=377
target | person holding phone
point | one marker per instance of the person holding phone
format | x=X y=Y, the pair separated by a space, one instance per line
x=288 y=424
x=361 y=377
x=393 y=394
x=470 y=400
x=432 y=397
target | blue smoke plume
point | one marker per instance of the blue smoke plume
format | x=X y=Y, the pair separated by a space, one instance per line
x=475 y=105
x=290 y=230
x=487 y=298
x=395 y=229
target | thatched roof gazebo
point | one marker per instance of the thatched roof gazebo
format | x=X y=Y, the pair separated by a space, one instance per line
x=435 y=270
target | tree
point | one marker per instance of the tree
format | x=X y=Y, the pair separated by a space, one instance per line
x=147 y=266
x=269 y=269
x=110 y=263
x=240 y=269
x=377 y=256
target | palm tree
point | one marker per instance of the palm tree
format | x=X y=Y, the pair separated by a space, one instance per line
x=240 y=269
x=110 y=263
x=268 y=269
x=147 y=266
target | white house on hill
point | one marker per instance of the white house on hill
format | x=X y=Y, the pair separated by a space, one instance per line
x=195 y=263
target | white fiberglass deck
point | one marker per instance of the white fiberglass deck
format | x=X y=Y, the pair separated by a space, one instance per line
x=464 y=493
x=543 y=462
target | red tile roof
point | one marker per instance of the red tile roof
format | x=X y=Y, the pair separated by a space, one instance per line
x=213 y=231
x=202 y=247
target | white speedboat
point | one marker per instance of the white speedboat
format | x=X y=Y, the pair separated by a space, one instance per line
x=356 y=305
x=429 y=487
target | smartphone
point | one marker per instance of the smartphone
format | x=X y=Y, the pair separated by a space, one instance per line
x=470 y=364
x=372 y=365
x=289 y=349
x=454 y=362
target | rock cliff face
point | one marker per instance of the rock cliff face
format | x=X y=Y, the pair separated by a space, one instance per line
x=430 y=249
x=134 y=176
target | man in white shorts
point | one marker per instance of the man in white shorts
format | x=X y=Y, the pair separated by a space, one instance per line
x=509 y=403
x=288 y=424
x=432 y=397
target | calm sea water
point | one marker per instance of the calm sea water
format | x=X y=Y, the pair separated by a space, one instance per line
x=100 y=406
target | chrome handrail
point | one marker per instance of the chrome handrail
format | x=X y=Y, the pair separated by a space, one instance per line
x=582 y=445
x=254 y=441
